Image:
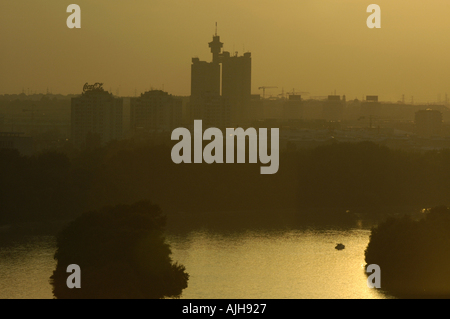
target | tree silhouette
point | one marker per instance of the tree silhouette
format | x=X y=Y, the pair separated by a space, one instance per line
x=413 y=255
x=121 y=252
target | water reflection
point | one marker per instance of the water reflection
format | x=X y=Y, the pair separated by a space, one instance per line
x=275 y=264
x=283 y=263
x=26 y=264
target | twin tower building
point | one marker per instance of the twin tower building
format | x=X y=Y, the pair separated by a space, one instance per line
x=220 y=95
x=221 y=89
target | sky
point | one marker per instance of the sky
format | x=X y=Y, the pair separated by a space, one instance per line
x=315 y=46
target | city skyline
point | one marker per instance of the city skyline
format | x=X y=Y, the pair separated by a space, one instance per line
x=318 y=48
x=206 y=149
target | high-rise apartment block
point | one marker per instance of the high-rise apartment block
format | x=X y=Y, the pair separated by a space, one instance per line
x=155 y=110
x=98 y=113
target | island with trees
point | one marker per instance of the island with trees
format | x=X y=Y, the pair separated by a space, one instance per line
x=413 y=255
x=122 y=254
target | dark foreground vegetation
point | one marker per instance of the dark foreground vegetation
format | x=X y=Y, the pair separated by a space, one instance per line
x=413 y=255
x=121 y=252
x=327 y=183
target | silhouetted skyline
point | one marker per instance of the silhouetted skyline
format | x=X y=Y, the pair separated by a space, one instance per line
x=145 y=124
x=311 y=46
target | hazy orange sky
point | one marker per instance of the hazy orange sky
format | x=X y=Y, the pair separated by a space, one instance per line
x=311 y=45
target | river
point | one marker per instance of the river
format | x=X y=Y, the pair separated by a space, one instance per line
x=260 y=264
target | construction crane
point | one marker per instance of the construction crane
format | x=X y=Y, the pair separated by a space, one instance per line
x=266 y=87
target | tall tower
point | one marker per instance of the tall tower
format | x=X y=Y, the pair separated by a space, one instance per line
x=216 y=47
x=205 y=76
x=205 y=98
x=219 y=103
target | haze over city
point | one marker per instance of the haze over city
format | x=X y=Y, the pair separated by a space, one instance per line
x=135 y=140
x=314 y=46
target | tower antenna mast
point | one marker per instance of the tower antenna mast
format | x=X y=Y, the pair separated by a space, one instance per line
x=216 y=29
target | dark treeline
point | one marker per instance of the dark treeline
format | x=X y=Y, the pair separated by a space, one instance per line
x=43 y=187
x=413 y=255
x=358 y=177
x=369 y=175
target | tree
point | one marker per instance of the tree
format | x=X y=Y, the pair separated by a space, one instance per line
x=413 y=255
x=121 y=252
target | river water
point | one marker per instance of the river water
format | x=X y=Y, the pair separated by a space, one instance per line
x=268 y=264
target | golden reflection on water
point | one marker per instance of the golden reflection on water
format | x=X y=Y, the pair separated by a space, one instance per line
x=25 y=268
x=243 y=264
x=275 y=264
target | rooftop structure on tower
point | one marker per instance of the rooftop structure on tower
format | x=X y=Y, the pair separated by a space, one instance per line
x=216 y=47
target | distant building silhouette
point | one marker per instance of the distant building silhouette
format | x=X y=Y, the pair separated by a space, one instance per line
x=216 y=104
x=428 y=122
x=216 y=111
x=96 y=113
x=205 y=86
x=15 y=140
x=205 y=78
x=371 y=107
x=155 y=110
x=236 y=84
x=293 y=108
x=333 y=108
